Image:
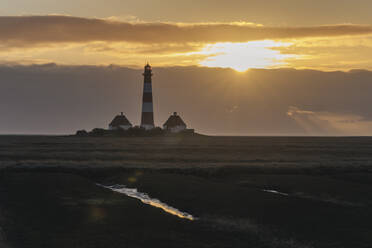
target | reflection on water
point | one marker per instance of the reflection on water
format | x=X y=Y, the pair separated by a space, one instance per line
x=143 y=197
x=275 y=192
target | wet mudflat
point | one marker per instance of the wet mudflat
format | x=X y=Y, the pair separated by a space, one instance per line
x=244 y=192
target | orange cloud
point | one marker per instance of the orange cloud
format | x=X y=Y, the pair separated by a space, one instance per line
x=25 y=31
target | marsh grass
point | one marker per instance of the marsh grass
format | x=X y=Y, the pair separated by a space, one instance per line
x=49 y=183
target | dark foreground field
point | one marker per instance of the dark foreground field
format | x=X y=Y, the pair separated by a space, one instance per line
x=244 y=192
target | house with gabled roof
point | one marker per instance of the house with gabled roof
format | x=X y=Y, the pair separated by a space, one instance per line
x=120 y=122
x=174 y=124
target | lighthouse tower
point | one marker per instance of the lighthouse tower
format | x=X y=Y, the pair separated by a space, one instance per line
x=147 y=120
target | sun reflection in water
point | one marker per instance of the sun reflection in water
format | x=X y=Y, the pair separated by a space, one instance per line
x=132 y=192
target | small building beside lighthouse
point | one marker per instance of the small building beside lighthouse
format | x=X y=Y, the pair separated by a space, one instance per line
x=174 y=124
x=120 y=122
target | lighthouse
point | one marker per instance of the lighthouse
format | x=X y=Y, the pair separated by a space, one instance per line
x=147 y=119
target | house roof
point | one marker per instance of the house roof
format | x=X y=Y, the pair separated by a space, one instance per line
x=174 y=120
x=120 y=120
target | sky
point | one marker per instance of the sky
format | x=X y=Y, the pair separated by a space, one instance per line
x=323 y=35
x=54 y=99
x=327 y=45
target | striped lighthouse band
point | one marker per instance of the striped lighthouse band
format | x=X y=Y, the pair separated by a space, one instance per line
x=147 y=87
x=147 y=92
x=147 y=107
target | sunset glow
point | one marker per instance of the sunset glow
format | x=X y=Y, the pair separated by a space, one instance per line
x=72 y=40
x=243 y=56
x=172 y=123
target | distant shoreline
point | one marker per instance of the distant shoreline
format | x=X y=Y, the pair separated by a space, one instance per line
x=197 y=134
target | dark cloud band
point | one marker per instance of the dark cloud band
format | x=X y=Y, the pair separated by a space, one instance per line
x=26 y=31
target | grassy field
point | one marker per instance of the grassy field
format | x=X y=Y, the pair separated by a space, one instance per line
x=50 y=198
x=295 y=153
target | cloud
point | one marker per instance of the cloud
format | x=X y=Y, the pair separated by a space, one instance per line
x=142 y=49
x=62 y=99
x=25 y=31
x=129 y=42
x=330 y=123
x=337 y=53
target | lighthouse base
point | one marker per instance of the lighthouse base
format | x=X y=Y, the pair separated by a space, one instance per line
x=148 y=127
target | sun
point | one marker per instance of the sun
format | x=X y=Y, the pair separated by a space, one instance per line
x=244 y=56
